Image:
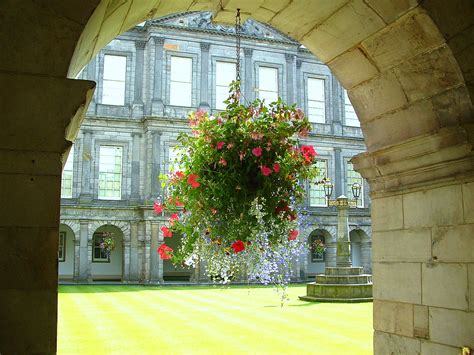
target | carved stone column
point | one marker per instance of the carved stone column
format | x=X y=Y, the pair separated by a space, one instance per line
x=137 y=105
x=157 y=101
x=135 y=178
x=84 y=266
x=204 y=91
x=290 y=63
x=77 y=259
x=249 y=94
x=299 y=89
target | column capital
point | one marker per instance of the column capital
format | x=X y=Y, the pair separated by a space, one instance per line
x=136 y=134
x=248 y=52
x=205 y=46
x=159 y=41
x=298 y=63
x=289 y=57
x=140 y=44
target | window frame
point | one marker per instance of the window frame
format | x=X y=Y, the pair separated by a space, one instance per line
x=280 y=70
x=326 y=160
x=214 y=64
x=193 y=58
x=95 y=237
x=71 y=160
x=348 y=187
x=128 y=57
x=62 y=246
x=110 y=144
x=313 y=238
x=344 y=104
x=325 y=79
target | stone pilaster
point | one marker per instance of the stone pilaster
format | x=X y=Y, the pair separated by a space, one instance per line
x=134 y=273
x=339 y=173
x=248 y=83
x=137 y=105
x=86 y=188
x=157 y=101
x=147 y=252
x=290 y=64
x=135 y=188
x=336 y=105
x=92 y=75
x=77 y=259
x=299 y=80
x=84 y=264
x=156 y=262
x=204 y=91
x=156 y=164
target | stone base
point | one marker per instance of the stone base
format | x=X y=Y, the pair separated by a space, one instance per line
x=340 y=284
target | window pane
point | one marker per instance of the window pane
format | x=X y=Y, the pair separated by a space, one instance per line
x=181 y=69
x=67 y=176
x=110 y=172
x=225 y=73
x=180 y=94
x=268 y=84
x=351 y=178
x=351 y=117
x=316 y=192
x=113 y=85
x=316 y=101
x=174 y=156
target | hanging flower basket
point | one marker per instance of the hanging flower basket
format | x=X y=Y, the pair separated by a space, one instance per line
x=107 y=243
x=234 y=201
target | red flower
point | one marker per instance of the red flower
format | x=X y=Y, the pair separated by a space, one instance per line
x=192 y=181
x=220 y=145
x=257 y=151
x=238 y=246
x=308 y=152
x=165 y=252
x=276 y=168
x=293 y=235
x=158 y=207
x=265 y=170
x=223 y=162
x=167 y=233
x=179 y=174
x=178 y=202
x=174 y=217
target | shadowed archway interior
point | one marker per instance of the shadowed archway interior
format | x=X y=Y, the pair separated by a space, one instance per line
x=408 y=68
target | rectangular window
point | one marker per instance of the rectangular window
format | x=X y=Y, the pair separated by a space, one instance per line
x=67 y=176
x=62 y=247
x=181 y=81
x=225 y=73
x=268 y=84
x=174 y=156
x=351 y=178
x=113 y=91
x=316 y=100
x=317 y=198
x=110 y=173
x=99 y=255
x=349 y=113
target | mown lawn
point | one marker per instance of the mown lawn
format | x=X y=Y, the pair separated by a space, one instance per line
x=186 y=320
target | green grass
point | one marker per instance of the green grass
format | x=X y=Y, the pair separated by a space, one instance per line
x=212 y=320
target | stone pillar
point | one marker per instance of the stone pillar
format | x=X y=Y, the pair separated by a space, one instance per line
x=86 y=189
x=135 y=179
x=137 y=105
x=204 y=91
x=338 y=173
x=366 y=256
x=134 y=273
x=299 y=82
x=91 y=75
x=77 y=259
x=343 y=253
x=157 y=101
x=249 y=94
x=141 y=251
x=126 y=256
x=290 y=63
x=147 y=252
x=156 y=262
x=84 y=266
x=37 y=112
x=156 y=157
x=336 y=106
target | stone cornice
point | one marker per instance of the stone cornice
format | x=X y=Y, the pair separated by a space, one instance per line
x=425 y=160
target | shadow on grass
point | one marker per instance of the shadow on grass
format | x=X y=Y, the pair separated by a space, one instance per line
x=112 y=288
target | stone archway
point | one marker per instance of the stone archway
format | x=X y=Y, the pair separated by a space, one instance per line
x=105 y=267
x=408 y=70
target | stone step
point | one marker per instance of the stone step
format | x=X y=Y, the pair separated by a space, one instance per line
x=335 y=300
x=354 y=270
x=339 y=290
x=344 y=279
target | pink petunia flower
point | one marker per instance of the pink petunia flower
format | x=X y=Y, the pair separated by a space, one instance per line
x=276 y=168
x=257 y=151
x=167 y=233
x=220 y=145
x=266 y=170
x=223 y=162
x=158 y=207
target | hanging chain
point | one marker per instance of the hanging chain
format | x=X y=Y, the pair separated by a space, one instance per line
x=237 y=48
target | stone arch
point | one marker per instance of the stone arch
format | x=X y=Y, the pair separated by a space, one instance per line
x=400 y=60
x=74 y=226
x=122 y=225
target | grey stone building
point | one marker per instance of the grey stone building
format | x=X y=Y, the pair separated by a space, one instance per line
x=148 y=79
